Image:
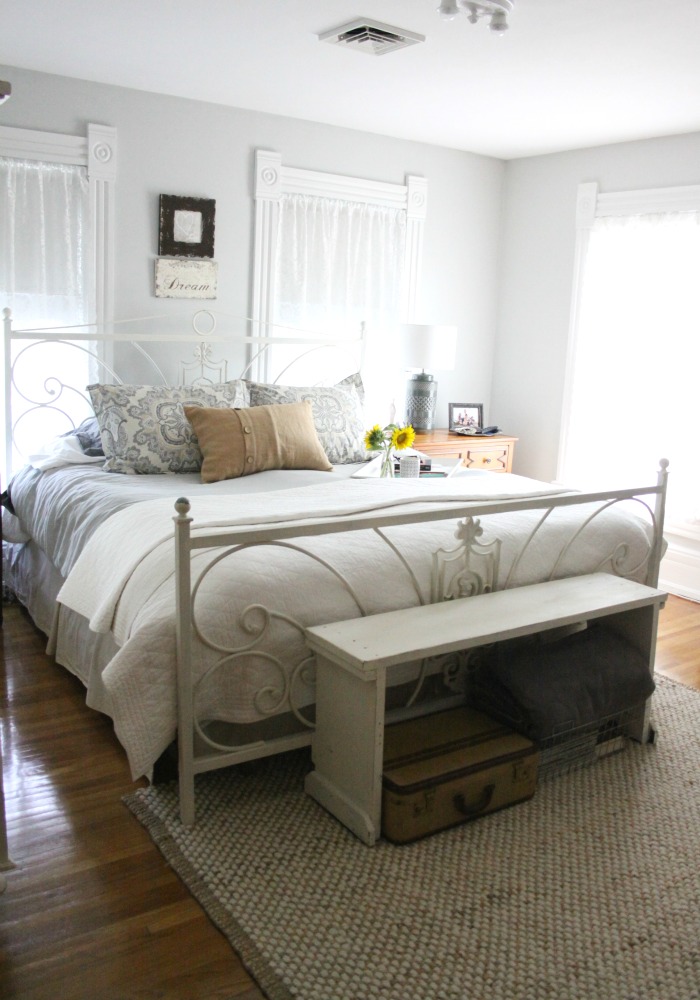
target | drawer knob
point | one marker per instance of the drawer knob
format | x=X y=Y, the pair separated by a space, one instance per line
x=486 y=461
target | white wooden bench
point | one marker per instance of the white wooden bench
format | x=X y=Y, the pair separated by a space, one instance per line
x=354 y=656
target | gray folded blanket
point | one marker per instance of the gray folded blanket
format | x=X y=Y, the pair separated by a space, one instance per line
x=547 y=688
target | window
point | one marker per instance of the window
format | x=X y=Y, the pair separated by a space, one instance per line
x=634 y=361
x=44 y=231
x=334 y=253
x=635 y=348
x=56 y=226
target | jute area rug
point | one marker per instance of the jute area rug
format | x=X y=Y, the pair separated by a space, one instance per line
x=590 y=891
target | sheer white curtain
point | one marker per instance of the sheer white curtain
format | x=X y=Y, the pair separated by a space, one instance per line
x=43 y=239
x=636 y=358
x=46 y=280
x=338 y=264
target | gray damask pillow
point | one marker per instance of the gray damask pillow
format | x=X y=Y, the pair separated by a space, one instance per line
x=337 y=413
x=144 y=428
x=356 y=380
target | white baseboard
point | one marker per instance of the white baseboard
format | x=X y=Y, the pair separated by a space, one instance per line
x=680 y=567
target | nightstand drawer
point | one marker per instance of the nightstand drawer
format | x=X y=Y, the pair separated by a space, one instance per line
x=493 y=453
x=492 y=459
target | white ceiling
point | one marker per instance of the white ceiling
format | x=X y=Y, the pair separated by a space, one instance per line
x=568 y=73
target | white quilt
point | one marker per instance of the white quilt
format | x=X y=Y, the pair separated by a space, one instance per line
x=95 y=586
x=124 y=583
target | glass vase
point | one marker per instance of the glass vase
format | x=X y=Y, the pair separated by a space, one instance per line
x=387 y=468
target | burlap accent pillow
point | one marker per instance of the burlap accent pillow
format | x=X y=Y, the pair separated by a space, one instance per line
x=240 y=442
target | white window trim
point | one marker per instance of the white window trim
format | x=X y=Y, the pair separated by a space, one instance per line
x=97 y=151
x=273 y=179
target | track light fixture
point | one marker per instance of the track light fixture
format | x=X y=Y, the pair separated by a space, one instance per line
x=496 y=10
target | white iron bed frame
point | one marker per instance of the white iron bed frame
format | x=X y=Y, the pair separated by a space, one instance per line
x=464 y=571
x=199 y=330
x=470 y=568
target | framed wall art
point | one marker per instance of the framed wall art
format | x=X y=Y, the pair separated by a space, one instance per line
x=466 y=416
x=186 y=226
x=186 y=279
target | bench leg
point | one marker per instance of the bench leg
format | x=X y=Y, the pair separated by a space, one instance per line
x=348 y=747
x=639 y=728
x=639 y=627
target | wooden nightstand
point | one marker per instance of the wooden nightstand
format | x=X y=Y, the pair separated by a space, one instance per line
x=492 y=452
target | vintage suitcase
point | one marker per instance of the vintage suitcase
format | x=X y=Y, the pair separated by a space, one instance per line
x=450 y=767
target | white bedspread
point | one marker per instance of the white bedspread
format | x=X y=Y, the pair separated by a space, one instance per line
x=96 y=583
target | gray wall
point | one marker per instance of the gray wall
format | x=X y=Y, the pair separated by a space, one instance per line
x=499 y=238
x=536 y=279
x=174 y=146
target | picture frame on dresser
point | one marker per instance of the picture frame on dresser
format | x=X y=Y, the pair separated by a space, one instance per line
x=466 y=415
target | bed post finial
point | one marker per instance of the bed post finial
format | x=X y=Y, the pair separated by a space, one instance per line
x=182 y=506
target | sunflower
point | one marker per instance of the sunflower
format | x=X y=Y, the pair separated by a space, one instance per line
x=374 y=438
x=402 y=437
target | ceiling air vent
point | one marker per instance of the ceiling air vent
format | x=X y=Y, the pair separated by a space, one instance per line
x=371 y=36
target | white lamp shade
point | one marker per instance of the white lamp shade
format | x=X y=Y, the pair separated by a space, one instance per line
x=432 y=348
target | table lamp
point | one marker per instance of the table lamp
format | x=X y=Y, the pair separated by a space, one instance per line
x=425 y=347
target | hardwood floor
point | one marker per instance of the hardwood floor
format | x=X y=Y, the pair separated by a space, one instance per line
x=678 y=647
x=92 y=905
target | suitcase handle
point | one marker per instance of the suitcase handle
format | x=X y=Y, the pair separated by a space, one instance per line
x=483 y=803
